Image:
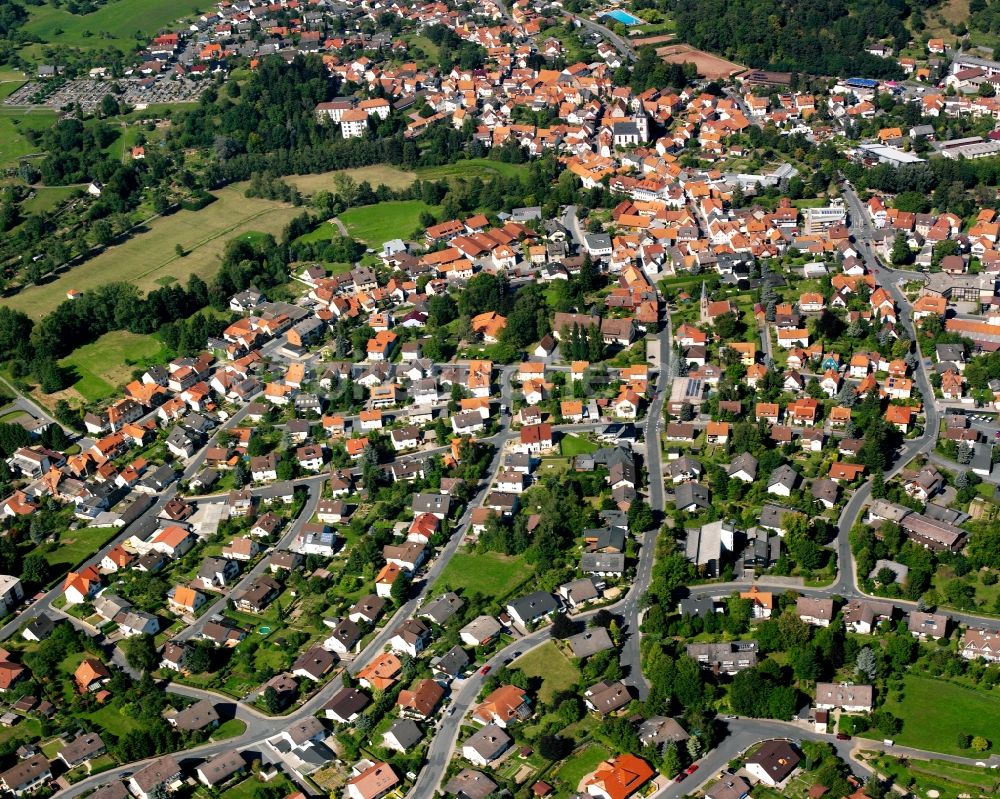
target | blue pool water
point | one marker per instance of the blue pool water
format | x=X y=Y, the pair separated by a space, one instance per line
x=623 y=17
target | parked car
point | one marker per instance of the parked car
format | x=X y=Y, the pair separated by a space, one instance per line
x=485 y=670
x=843 y=736
x=691 y=769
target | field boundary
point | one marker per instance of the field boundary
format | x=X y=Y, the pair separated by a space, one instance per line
x=709 y=65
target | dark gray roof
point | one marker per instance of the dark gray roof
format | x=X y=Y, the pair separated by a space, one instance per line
x=590 y=642
x=470 y=784
x=406 y=732
x=451 y=662
x=602 y=562
x=688 y=494
x=534 y=605
x=346 y=702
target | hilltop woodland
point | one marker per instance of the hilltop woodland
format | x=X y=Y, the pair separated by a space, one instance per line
x=819 y=37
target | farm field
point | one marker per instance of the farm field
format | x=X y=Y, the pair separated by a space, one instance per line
x=934 y=712
x=489 y=573
x=709 y=66
x=148 y=259
x=107 y=363
x=113 y=24
x=13 y=122
x=665 y=37
x=389 y=175
x=376 y=224
x=554 y=668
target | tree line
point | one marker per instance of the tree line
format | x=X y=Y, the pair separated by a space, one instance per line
x=35 y=348
x=820 y=37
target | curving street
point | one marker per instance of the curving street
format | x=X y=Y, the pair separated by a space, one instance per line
x=742 y=733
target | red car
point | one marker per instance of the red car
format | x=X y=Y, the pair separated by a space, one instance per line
x=680 y=777
x=843 y=736
x=485 y=670
x=691 y=769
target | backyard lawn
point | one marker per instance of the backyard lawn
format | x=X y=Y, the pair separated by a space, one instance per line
x=490 y=574
x=580 y=765
x=76 y=546
x=555 y=669
x=112 y=719
x=934 y=712
x=571 y=446
x=28 y=729
x=376 y=224
x=245 y=789
x=107 y=363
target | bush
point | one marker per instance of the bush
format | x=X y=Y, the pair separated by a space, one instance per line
x=989 y=578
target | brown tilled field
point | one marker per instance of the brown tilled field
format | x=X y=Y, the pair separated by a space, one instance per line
x=708 y=65
x=665 y=37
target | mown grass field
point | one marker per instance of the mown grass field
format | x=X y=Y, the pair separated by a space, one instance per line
x=8 y=87
x=148 y=259
x=48 y=198
x=380 y=173
x=14 y=122
x=470 y=168
x=114 y=24
x=107 y=363
x=554 y=668
x=571 y=446
x=376 y=224
x=934 y=712
x=489 y=573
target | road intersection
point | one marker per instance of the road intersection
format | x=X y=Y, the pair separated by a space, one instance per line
x=445 y=734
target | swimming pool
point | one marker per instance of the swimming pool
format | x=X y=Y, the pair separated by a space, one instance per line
x=623 y=17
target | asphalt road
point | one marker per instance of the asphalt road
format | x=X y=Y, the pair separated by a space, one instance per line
x=742 y=733
x=314 y=487
x=620 y=44
x=260 y=726
x=861 y=230
x=193 y=466
x=631 y=656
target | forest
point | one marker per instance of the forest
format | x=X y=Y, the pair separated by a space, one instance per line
x=819 y=37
